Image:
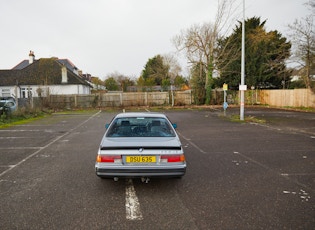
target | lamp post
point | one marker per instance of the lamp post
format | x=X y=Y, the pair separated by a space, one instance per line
x=243 y=86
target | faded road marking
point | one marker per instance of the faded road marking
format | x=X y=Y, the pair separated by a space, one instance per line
x=133 y=211
x=192 y=143
x=49 y=144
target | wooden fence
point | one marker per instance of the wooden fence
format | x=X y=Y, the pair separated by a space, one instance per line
x=292 y=98
x=279 y=98
x=116 y=99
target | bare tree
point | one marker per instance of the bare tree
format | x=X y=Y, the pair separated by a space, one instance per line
x=199 y=41
x=311 y=5
x=122 y=81
x=174 y=67
x=303 y=42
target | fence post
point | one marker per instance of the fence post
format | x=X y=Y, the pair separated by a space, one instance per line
x=75 y=101
x=121 y=98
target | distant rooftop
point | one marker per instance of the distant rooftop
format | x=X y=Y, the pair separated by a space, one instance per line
x=65 y=62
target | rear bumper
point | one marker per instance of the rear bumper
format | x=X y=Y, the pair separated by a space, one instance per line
x=134 y=172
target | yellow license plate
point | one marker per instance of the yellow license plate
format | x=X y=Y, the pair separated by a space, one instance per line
x=140 y=159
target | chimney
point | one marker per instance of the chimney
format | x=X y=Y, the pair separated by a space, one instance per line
x=31 y=57
x=64 y=77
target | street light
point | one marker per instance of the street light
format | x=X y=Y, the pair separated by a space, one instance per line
x=243 y=86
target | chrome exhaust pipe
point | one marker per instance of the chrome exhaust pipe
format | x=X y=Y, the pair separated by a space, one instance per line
x=145 y=179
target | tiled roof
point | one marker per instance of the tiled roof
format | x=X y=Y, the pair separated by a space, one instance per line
x=22 y=64
x=68 y=64
x=45 y=71
x=65 y=62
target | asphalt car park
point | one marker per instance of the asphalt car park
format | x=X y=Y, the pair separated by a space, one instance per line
x=239 y=175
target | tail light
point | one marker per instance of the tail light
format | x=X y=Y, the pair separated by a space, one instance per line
x=108 y=158
x=172 y=158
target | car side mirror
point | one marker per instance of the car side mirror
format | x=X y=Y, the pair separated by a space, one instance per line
x=174 y=125
x=106 y=126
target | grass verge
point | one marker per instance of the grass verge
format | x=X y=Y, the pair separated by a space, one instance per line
x=248 y=119
x=20 y=117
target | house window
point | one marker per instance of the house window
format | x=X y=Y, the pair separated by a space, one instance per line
x=6 y=93
x=26 y=92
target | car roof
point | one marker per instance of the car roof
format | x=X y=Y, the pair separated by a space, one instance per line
x=140 y=114
x=7 y=99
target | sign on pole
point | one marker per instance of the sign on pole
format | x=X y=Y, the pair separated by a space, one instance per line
x=225 y=86
x=225 y=104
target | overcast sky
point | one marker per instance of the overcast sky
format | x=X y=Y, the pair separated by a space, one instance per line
x=105 y=36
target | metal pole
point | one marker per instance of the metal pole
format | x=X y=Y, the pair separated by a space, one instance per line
x=224 y=104
x=172 y=94
x=243 y=66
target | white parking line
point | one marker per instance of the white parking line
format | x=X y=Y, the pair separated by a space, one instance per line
x=297 y=174
x=252 y=160
x=20 y=130
x=133 y=211
x=12 y=148
x=5 y=138
x=192 y=143
x=50 y=143
x=285 y=175
x=30 y=156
